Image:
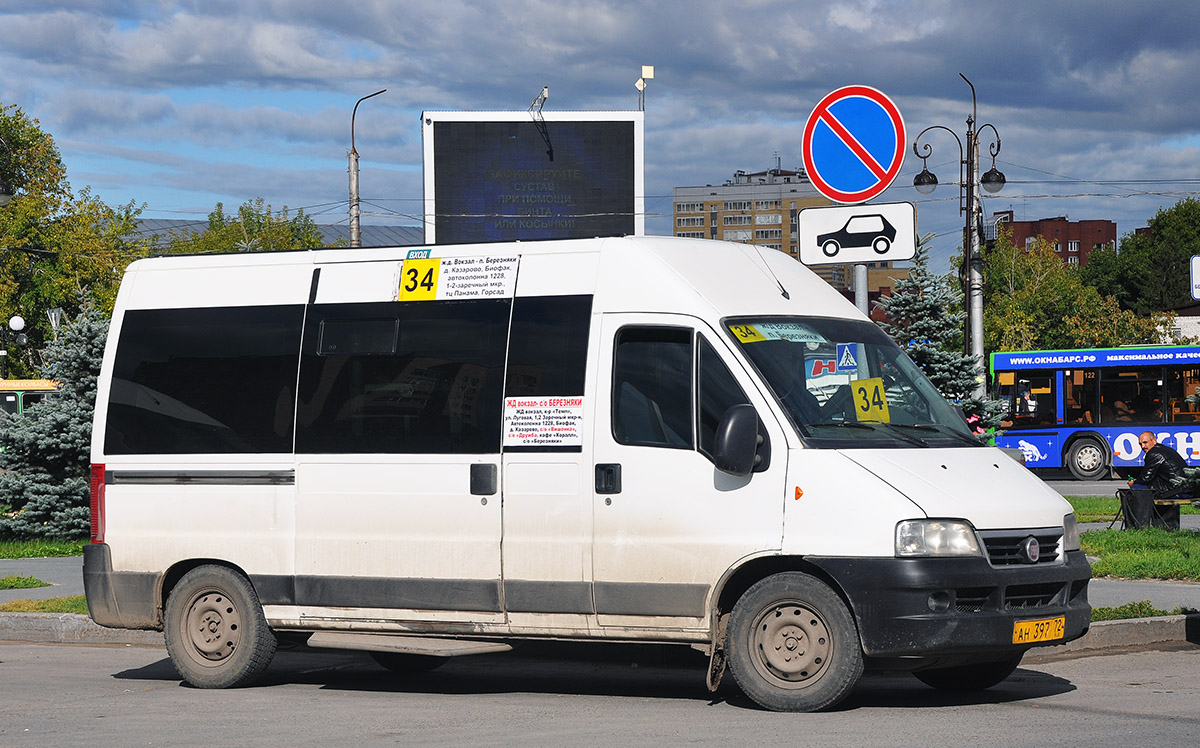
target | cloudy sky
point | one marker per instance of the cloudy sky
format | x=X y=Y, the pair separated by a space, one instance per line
x=180 y=105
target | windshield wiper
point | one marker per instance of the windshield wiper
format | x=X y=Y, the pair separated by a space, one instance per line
x=940 y=429
x=872 y=426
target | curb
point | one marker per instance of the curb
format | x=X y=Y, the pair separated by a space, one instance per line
x=69 y=628
x=1110 y=637
x=1106 y=637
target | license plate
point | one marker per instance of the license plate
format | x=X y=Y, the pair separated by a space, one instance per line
x=1044 y=630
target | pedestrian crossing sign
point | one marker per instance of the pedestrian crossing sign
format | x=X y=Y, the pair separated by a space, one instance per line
x=846 y=358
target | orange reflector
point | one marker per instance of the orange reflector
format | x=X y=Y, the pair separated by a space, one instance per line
x=799 y=492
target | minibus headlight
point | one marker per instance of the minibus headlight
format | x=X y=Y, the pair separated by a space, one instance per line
x=1070 y=539
x=935 y=537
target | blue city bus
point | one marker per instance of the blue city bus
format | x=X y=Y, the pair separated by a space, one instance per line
x=1084 y=409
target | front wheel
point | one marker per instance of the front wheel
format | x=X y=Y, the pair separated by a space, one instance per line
x=215 y=629
x=792 y=645
x=974 y=677
x=1087 y=460
x=881 y=245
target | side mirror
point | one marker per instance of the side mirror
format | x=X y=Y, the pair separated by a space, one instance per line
x=736 y=448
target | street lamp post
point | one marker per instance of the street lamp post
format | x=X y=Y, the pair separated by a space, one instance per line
x=968 y=205
x=355 y=234
x=11 y=333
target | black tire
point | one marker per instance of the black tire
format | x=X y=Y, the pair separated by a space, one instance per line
x=977 y=676
x=215 y=629
x=407 y=664
x=1087 y=459
x=830 y=248
x=881 y=245
x=792 y=645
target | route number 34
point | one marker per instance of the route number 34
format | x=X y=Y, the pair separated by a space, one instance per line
x=870 y=401
x=419 y=279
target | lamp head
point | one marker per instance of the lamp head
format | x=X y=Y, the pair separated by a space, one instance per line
x=925 y=182
x=6 y=193
x=17 y=323
x=993 y=180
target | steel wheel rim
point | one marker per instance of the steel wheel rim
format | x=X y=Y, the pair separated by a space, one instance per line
x=1088 y=457
x=791 y=644
x=213 y=628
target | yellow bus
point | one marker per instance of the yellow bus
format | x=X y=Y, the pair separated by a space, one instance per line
x=16 y=395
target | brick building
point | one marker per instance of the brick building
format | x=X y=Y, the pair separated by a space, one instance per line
x=1073 y=241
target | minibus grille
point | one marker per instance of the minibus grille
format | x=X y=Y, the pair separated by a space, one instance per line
x=1007 y=547
x=1027 y=596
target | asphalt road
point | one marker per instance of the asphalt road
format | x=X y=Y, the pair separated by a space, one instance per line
x=99 y=697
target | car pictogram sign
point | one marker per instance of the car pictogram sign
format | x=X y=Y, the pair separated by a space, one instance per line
x=853 y=144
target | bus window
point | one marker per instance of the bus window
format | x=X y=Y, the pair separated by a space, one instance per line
x=1079 y=396
x=1031 y=400
x=1133 y=394
x=9 y=402
x=1183 y=395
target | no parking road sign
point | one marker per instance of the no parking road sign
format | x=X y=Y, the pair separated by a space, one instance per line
x=853 y=144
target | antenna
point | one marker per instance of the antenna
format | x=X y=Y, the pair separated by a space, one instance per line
x=782 y=291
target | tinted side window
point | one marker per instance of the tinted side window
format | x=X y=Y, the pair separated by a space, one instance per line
x=548 y=351
x=205 y=380
x=717 y=392
x=403 y=377
x=652 y=387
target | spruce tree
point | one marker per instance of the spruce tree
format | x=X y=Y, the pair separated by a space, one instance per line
x=47 y=450
x=926 y=319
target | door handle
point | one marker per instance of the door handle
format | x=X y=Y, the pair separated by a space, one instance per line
x=608 y=478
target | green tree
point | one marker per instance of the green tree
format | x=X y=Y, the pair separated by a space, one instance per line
x=1033 y=301
x=44 y=488
x=254 y=228
x=1151 y=271
x=55 y=243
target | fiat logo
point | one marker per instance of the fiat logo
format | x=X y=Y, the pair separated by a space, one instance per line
x=1030 y=550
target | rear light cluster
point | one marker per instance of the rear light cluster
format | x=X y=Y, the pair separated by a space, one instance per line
x=96 y=487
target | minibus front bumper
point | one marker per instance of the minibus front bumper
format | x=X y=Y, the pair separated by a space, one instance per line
x=947 y=607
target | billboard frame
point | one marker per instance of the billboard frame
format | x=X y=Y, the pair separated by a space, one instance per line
x=430 y=118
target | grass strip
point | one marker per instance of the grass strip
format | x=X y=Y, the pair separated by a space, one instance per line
x=1141 y=609
x=41 y=548
x=72 y=604
x=13 y=582
x=1148 y=553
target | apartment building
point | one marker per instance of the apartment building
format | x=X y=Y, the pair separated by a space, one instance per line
x=1073 y=241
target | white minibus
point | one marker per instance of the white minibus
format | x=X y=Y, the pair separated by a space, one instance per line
x=430 y=452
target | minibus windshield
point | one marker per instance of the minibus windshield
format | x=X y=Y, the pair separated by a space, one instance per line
x=846 y=384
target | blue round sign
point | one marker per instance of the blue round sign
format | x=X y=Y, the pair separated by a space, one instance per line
x=853 y=144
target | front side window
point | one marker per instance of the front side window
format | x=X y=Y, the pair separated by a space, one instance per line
x=846 y=384
x=652 y=387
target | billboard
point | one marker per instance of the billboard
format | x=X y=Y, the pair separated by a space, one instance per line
x=503 y=176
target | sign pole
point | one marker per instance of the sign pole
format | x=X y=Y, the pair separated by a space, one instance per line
x=860 y=289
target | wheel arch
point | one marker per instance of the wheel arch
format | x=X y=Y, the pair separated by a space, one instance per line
x=741 y=578
x=176 y=572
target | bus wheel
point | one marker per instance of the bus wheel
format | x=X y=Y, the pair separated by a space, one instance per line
x=215 y=629
x=1086 y=459
x=792 y=644
x=974 y=677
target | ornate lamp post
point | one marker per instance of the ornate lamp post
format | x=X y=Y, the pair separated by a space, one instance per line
x=968 y=205
x=10 y=334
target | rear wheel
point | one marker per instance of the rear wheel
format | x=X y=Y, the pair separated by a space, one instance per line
x=792 y=644
x=1087 y=459
x=974 y=677
x=830 y=248
x=215 y=629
